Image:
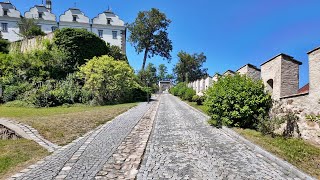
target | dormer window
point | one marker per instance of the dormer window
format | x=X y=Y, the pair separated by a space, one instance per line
x=74 y=18
x=5 y=12
x=40 y=15
x=109 y=21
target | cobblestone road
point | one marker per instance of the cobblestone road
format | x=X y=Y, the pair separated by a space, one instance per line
x=83 y=158
x=183 y=146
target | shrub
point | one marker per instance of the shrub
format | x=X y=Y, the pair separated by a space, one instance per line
x=237 y=101
x=17 y=103
x=188 y=94
x=198 y=99
x=15 y=91
x=107 y=80
x=4 y=45
x=67 y=91
x=291 y=120
x=176 y=90
x=41 y=96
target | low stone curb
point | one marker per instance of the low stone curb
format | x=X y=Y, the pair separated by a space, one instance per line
x=261 y=151
x=125 y=161
x=31 y=134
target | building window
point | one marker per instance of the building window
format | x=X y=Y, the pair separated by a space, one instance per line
x=53 y=28
x=74 y=18
x=40 y=15
x=100 y=33
x=114 y=34
x=4 y=27
x=109 y=21
x=5 y=12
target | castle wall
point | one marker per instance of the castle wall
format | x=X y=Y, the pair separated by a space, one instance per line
x=314 y=73
x=289 y=78
x=304 y=105
x=271 y=71
x=28 y=45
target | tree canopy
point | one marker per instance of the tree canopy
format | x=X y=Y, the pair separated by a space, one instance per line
x=162 y=71
x=29 y=28
x=79 y=45
x=189 y=67
x=149 y=35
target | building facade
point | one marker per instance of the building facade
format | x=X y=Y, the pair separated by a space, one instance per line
x=107 y=25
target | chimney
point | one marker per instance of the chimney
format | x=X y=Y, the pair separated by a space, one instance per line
x=49 y=5
x=314 y=73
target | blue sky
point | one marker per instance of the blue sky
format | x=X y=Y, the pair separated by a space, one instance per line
x=230 y=33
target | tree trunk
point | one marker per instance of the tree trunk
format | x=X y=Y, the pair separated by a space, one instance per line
x=145 y=58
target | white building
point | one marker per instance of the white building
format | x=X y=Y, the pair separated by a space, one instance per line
x=9 y=18
x=45 y=19
x=110 y=28
x=74 y=18
x=107 y=25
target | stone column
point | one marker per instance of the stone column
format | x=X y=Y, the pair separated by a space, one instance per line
x=314 y=73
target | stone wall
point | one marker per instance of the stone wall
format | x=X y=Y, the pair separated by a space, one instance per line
x=270 y=71
x=250 y=71
x=304 y=105
x=27 y=45
x=314 y=73
x=289 y=78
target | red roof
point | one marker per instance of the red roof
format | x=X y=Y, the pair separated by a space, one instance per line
x=304 y=89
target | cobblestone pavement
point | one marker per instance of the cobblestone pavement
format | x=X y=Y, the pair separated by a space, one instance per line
x=125 y=162
x=83 y=158
x=183 y=146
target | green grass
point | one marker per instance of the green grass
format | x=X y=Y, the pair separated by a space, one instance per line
x=61 y=125
x=296 y=151
x=202 y=108
x=17 y=154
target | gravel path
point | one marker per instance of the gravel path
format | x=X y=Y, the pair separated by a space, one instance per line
x=183 y=146
x=83 y=158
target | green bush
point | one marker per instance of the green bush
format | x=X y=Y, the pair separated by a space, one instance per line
x=67 y=91
x=107 y=80
x=41 y=96
x=15 y=92
x=237 y=101
x=17 y=103
x=4 y=45
x=198 y=99
x=188 y=94
x=181 y=90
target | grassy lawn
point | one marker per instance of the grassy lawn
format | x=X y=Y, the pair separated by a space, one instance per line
x=17 y=154
x=302 y=154
x=62 y=125
x=199 y=107
x=298 y=152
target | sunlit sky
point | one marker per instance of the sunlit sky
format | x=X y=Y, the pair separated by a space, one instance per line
x=230 y=33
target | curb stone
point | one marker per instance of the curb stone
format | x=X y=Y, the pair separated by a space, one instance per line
x=259 y=150
x=30 y=133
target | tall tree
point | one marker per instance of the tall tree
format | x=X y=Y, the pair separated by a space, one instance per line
x=162 y=71
x=29 y=28
x=149 y=35
x=189 y=67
